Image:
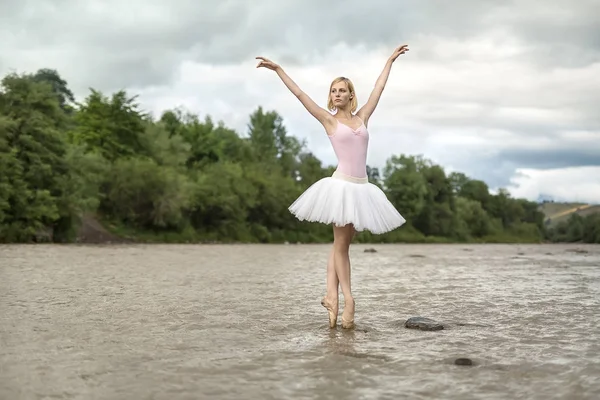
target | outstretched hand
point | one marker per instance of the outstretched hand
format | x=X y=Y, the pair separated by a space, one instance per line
x=266 y=63
x=398 y=51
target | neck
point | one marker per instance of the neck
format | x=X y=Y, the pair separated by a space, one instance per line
x=345 y=113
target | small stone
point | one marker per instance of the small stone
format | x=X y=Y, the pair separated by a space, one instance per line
x=424 y=324
x=371 y=250
x=463 y=361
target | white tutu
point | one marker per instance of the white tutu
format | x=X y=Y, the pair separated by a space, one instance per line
x=343 y=200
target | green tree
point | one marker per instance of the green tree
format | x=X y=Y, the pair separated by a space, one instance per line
x=59 y=87
x=33 y=154
x=113 y=127
x=310 y=170
x=474 y=221
x=458 y=181
x=271 y=143
x=475 y=190
x=437 y=216
x=591 y=229
x=406 y=187
x=142 y=194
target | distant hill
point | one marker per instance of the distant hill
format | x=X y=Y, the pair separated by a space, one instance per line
x=555 y=212
x=544 y=198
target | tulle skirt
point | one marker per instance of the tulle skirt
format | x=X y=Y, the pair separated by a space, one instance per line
x=342 y=200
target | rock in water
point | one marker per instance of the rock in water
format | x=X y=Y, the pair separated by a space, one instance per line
x=371 y=250
x=424 y=324
x=463 y=361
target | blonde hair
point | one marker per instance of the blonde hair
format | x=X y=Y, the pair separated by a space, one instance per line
x=350 y=85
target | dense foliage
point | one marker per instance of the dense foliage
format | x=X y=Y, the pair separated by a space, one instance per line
x=182 y=178
x=576 y=228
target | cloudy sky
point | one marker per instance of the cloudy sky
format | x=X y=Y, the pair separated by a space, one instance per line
x=505 y=91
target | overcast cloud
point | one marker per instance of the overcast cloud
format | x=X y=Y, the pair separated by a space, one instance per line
x=505 y=91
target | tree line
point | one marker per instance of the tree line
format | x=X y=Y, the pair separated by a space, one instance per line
x=576 y=228
x=182 y=178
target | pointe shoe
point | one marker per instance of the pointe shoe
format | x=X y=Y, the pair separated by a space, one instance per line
x=348 y=323
x=333 y=311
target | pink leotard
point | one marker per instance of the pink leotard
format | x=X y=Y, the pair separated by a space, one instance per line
x=350 y=147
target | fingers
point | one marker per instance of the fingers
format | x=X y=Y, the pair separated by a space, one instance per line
x=402 y=49
x=265 y=62
x=264 y=65
x=398 y=51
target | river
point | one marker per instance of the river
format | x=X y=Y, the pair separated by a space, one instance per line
x=245 y=322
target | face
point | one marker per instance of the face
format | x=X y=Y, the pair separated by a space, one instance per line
x=340 y=95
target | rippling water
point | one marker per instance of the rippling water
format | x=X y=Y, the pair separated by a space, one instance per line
x=233 y=322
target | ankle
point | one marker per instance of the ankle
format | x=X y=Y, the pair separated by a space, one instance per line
x=333 y=298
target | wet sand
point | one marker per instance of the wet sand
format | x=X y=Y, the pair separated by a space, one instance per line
x=244 y=321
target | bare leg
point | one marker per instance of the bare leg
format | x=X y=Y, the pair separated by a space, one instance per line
x=330 y=301
x=332 y=278
x=341 y=243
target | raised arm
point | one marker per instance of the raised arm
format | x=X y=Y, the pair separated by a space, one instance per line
x=367 y=110
x=322 y=115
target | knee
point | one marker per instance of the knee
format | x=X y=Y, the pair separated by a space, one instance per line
x=341 y=245
x=343 y=237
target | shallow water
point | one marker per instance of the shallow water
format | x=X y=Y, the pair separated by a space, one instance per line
x=244 y=321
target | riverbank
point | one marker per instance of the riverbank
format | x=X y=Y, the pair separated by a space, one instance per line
x=93 y=230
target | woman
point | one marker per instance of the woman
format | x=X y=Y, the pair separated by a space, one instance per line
x=346 y=199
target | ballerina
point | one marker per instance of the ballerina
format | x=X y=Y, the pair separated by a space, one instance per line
x=346 y=200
